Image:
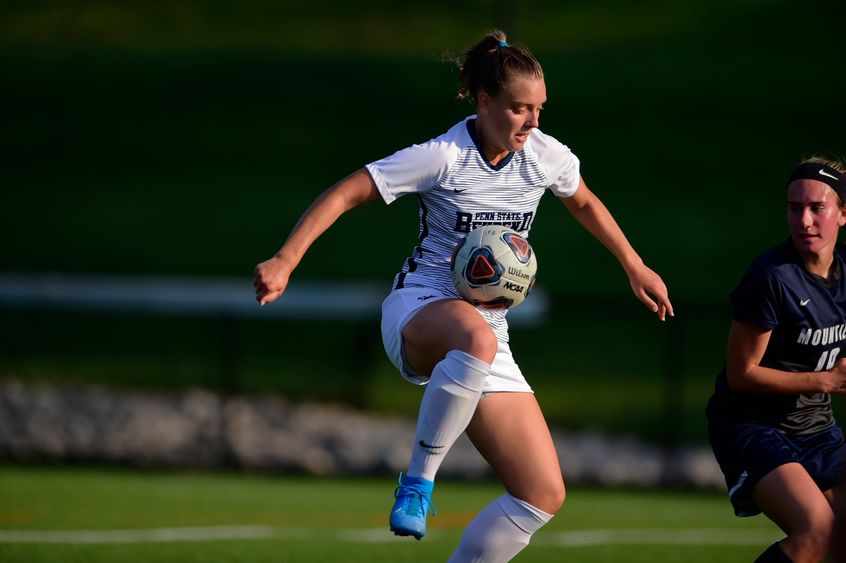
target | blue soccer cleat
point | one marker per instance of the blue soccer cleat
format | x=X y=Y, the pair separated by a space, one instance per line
x=414 y=499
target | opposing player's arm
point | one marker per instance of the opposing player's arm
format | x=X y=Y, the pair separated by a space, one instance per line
x=746 y=347
x=592 y=214
x=270 y=278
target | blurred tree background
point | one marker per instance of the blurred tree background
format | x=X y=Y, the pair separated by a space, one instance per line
x=187 y=137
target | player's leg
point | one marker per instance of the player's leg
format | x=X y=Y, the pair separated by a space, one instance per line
x=509 y=430
x=449 y=340
x=837 y=498
x=790 y=498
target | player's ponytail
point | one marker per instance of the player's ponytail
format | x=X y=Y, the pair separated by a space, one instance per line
x=491 y=63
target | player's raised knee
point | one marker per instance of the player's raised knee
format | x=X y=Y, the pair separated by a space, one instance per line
x=553 y=498
x=479 y=341
x=548 y=496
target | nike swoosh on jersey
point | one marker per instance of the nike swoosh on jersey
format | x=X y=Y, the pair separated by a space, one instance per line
x=803 y=302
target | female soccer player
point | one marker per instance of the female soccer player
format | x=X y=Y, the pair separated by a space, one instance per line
x=770 y=419
x=490 y=168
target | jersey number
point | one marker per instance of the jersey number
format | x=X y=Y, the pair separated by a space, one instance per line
x=827 y=360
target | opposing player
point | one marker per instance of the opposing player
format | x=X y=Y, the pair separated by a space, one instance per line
x=770 y=419
x=490 y=168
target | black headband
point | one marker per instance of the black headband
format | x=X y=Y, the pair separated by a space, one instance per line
x=821 y=173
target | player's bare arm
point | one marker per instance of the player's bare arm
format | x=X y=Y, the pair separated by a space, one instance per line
x=270 y=278
x=592 y=214
x=746 y=347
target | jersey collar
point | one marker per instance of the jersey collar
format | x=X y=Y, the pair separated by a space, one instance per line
x=471 y=130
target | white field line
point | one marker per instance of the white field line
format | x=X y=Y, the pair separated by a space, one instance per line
x=697 y=536
x=702 y=536
x=151 y=535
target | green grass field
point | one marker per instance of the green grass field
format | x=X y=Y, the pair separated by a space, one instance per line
x=61 y=514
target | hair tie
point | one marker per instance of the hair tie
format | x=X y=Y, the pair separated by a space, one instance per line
x=502 y=44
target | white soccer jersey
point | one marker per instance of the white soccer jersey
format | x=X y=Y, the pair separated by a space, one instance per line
x=459 y=190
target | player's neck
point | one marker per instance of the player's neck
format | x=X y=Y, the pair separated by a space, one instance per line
x=495 y=156
x=492 y=154
x=821 y=265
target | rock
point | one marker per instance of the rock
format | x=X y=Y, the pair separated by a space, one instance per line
x=200 y=429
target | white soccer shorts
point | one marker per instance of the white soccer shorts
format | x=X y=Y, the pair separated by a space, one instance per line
x=402 y=304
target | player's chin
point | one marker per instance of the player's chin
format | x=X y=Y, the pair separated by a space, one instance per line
x=520 y=139
x=805 y=241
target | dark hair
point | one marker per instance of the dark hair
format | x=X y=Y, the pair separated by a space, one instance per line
x=491 y=63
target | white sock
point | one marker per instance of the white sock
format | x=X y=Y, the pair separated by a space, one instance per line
x=499 y=532
x=448 y=405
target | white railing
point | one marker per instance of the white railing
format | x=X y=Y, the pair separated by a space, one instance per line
x=229 y=297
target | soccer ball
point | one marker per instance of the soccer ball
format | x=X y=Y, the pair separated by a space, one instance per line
x=494 y=267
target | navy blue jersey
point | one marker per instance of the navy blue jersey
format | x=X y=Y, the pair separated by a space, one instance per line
x=807 y=317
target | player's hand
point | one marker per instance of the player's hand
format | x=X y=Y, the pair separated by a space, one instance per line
x=838 y=378
x=650 y=289
x=270 y=278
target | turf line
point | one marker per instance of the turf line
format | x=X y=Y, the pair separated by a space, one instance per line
x=700 y=536
x=693 y=536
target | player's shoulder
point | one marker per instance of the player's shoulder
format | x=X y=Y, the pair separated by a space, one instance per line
x=444 y=148
x=540 y=143
x=780 y=261
x=455 y=138
x=435 y=154
x=553 y=155
x=419 y=167
x=771 y=270
x=560 y=166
